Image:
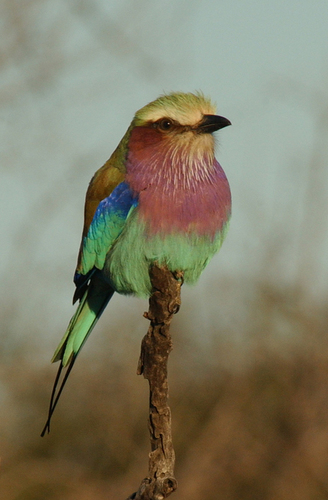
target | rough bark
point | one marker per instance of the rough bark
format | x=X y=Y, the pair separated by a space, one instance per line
x=155 y=349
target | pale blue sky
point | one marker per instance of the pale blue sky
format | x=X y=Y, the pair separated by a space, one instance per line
x=75 y=73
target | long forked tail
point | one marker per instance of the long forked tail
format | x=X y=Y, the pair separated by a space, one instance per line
x=90 y=308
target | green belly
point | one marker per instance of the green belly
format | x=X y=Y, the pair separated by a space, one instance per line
x=127 y=264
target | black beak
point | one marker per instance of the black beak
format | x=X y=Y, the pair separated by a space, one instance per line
x=211 y=123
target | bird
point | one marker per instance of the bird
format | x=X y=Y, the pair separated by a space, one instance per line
x=162 y=197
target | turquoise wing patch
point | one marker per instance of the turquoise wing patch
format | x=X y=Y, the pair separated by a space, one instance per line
x=106 y=226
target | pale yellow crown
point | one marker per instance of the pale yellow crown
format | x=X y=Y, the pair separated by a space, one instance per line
x=186 y=109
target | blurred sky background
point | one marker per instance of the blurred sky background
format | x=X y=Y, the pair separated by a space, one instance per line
x=72 y=75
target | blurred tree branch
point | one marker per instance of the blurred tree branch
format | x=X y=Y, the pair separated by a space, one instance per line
x=155 y=349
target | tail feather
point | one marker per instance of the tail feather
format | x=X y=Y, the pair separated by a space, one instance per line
x=56 y=395
x=90 y=308
x=64 y=351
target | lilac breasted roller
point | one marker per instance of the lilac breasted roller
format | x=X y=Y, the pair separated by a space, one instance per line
x=163 y=198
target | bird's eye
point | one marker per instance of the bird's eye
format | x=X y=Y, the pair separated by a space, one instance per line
x=165 y=124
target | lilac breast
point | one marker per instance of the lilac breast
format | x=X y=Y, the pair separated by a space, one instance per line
x=175 y=196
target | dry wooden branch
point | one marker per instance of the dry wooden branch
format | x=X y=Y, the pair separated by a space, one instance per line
x=155 y=349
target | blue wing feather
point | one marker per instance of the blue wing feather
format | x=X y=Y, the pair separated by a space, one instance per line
x=106 y=226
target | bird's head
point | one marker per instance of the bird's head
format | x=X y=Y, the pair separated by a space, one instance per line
x=183 y=111
x=176 y=128
x=180 y=117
